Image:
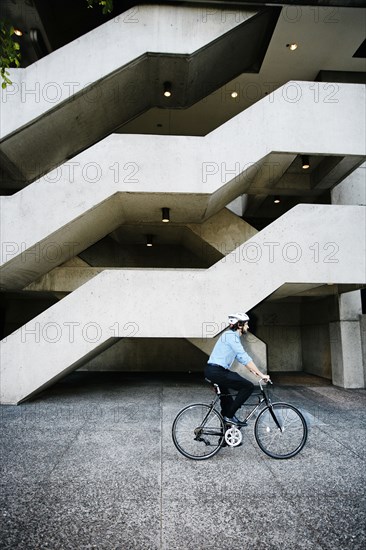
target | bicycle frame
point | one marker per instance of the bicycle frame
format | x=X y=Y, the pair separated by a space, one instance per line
x=264 y=398
x=202 y=430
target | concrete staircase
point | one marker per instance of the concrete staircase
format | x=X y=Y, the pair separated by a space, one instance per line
x=54 y=109
x=108 y=185
x=309 y=245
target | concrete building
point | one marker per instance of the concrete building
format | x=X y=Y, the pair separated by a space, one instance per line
x=173 y=164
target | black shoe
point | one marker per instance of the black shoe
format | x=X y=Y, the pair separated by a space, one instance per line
x=234 y=420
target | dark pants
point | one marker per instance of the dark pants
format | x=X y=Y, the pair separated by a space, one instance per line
x=228 y=380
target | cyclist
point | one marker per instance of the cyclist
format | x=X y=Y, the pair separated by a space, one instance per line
x=218 y=369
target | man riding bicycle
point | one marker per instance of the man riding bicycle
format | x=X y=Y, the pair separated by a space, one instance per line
x=218 y=369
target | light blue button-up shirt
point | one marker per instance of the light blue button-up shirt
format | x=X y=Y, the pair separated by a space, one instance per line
x=228 y=348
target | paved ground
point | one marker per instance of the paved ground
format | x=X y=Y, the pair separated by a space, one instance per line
x=90 y=464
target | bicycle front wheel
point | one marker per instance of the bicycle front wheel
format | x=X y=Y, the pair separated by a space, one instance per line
x=280 y=430
x=198 y=431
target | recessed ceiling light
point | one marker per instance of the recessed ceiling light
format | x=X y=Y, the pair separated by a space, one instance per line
x=165 y=215
x=234 y=94
x=18 y=32
x=305 y=162
x=167 y=89
x=292 y=46
x=277 y=200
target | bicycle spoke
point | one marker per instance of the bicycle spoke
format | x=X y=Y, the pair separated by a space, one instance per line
x=283 y=442
x=198 y=431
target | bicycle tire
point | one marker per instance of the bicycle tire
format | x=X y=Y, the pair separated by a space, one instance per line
x=285 y=442
x=196 y=440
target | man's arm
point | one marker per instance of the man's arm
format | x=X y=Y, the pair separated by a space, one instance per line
x=254 y=370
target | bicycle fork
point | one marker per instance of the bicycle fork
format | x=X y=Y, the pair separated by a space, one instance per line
x=272 y=413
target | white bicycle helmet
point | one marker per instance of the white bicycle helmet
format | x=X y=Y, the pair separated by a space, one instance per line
x=235 y=317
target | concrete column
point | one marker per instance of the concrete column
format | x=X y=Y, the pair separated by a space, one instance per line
x=346 y=344
x=363 y=343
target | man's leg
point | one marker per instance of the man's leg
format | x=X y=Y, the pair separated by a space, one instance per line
x=226 y=401
x=244 y=388
x=218 y=375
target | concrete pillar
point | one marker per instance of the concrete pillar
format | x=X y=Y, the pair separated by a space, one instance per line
x=363 y=343
x=346 y=343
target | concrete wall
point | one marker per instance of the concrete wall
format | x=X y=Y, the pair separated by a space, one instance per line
x=315 y=347
x=107 y=253
x=168 y=354
x=316 y=314
x=277 y=324
x=149 y=354
x=296 y=332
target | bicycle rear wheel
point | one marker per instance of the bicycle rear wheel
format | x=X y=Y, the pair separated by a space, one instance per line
x=198 y=431
x=285 y=437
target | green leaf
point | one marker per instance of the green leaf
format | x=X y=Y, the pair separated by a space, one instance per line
x=106 y=5
x=9 y=52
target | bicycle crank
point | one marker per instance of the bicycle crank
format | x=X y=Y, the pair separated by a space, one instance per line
x=233 y=436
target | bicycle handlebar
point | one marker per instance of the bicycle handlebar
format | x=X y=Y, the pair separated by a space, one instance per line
x=262 y=381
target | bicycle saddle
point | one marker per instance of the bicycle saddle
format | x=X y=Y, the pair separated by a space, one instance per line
x=215 y=386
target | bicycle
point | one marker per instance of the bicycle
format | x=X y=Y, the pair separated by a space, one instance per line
x=199 y=430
